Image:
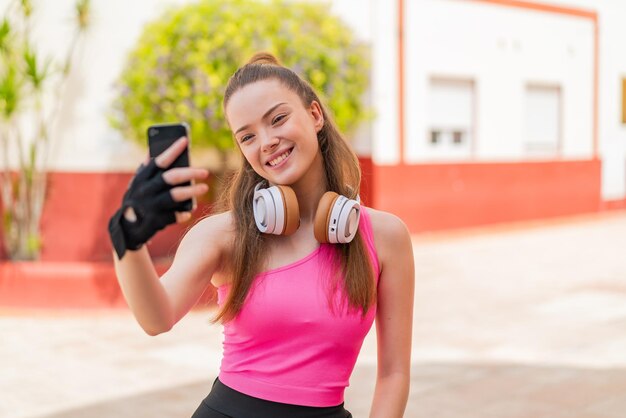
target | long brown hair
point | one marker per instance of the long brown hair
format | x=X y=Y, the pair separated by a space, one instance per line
x=343 y=176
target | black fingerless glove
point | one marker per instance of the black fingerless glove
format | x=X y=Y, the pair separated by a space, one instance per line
x=149 y=196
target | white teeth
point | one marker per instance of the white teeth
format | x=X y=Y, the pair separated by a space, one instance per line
x=280 y=158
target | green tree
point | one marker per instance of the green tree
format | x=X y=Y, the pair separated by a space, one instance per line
x=181 y=64
x=31 y=93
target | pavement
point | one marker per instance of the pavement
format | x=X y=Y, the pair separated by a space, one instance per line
x=517 y=321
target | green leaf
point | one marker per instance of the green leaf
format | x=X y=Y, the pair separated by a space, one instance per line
x=83 y=13
x=5 y=32
x=33 y=244
x=9 y=92
x=26 y=7
x=35 y=73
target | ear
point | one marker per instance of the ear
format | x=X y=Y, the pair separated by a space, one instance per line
x=316 y=113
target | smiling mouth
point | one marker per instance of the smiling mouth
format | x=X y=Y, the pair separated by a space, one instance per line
x=280 y=158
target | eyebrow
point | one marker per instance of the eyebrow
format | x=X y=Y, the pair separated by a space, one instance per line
x=271 y=109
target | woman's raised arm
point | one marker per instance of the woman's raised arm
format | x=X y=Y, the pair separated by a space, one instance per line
x=152 y=202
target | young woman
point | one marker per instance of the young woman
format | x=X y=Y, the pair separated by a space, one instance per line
x=301 y=274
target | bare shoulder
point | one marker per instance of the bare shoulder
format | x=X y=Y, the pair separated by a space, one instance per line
x=214 y=231
x=391 y=235
x=223 y=223
x=387 y=227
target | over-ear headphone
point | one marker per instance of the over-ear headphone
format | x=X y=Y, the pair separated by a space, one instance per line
x=276 y=211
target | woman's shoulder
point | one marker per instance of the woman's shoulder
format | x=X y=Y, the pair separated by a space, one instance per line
x=386 y=225
x=218 y=228
x=389 y=232
x=222 y=220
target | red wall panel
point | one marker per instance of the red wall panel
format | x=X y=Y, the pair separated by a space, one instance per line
x=77 y=211
x=442 y=196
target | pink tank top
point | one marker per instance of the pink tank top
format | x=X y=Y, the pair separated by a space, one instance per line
x=286 y=345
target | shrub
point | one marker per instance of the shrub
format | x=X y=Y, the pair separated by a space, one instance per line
x=182 y=61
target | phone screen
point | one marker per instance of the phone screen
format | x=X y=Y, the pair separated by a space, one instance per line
x=160 y=137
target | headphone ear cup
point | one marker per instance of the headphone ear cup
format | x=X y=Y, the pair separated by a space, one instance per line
x=276 y=210
x=345 y=217
x=264 y=210
x=322 y=217
x=336 y=219
x=291 y=210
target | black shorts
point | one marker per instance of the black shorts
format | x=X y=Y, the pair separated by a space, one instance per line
x=224 y=402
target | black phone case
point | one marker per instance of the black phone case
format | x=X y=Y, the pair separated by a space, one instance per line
x=160 y=137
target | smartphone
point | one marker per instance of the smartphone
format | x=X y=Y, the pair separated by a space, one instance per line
x=160 y=137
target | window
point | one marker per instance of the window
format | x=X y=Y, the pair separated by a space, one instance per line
x=435 y=137
x=450 y=118
x=457 y=137
x=542 y=125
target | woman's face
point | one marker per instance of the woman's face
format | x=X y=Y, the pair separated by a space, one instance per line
x=276 y=133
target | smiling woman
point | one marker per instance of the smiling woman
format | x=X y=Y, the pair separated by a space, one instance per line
x=301 y=268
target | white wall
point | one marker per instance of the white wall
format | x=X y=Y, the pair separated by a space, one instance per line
x=502 y=50
x=612 y=133
x=612 y=32
x=490 y=40
x=385 y=132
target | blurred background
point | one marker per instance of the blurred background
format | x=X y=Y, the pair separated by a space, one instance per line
x=496 y=129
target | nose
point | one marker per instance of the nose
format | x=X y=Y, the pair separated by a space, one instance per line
x=270 y=142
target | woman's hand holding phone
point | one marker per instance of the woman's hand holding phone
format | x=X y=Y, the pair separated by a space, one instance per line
x=154 y=199
x=181 y=175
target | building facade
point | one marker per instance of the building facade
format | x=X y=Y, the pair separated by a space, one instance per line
x=486 y=111
x=497 y=111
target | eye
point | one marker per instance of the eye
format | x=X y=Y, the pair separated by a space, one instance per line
x=245 y=138
x=279 y=118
